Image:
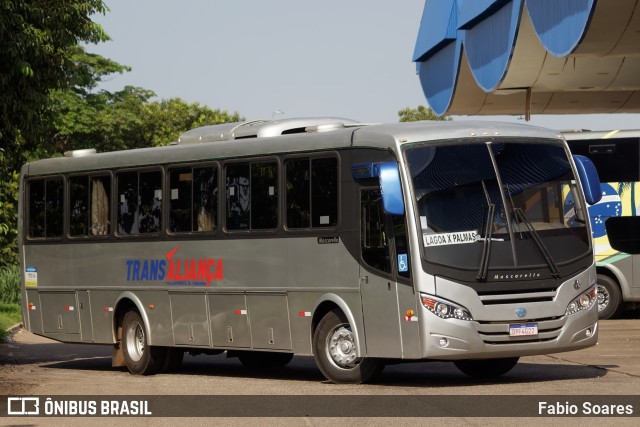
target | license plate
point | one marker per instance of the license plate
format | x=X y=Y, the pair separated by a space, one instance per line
x=522 y=330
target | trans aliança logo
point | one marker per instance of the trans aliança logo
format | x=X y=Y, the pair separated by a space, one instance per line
x=175 y=271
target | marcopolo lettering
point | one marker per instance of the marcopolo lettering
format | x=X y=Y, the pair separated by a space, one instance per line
x=328 y=240
x=517 y=276
x=176 y=271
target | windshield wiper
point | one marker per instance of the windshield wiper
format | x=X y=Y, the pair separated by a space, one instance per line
x=520 y=217
x=486 y=248
x=488 y=232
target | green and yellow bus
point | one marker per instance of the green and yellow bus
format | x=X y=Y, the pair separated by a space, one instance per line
x=614 y=220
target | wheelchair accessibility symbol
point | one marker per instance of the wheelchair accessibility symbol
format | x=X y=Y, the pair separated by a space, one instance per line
x=403 y=264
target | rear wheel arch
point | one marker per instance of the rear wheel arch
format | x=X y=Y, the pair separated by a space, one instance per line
x=127 y=302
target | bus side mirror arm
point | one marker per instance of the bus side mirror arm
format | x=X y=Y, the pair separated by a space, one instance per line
x=589 y=179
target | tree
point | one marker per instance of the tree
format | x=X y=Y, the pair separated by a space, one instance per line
x=35 y=39
x=420 y=113
x=165 y=120
x=83 y=117
x=51 y=101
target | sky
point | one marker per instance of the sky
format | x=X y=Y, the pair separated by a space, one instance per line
x=285 y=58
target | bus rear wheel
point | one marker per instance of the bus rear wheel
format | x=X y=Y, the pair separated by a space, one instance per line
x=486 y=368
x=172 y=359
x=609 y=297
x=141 y=358
x=335 y=352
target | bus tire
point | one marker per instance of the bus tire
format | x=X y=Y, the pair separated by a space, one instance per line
x=334 y=349
x=264 y=359
x=609 y=297
x=486 y=368
x=141 y=358
x=172 y=359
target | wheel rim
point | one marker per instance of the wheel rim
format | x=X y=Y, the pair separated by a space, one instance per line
x=341 y=347
x=603 y=298
x=135 y=342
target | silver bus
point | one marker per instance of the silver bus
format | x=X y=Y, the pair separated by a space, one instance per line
x=358 y=244
x=614 y=220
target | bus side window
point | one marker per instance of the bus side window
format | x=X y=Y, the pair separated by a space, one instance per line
x=264 y=196
x=615 y=159
x=46 y=208
x=89 y=206
x=54 y=207
x=100 y=205
x=180 y=184
x=298 y=180
x=312 y=192
x=238 y=200
x=140 y=202
x=78 y=206
x=128 y=203
x=193 y=205
x=205 y=198
x=324 y=192
x=373 y=237
x=36 y=208
x=150 y=207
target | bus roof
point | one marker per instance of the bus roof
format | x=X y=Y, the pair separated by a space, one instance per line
x=258 y=138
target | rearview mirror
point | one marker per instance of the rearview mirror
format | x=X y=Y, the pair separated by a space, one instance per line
x=391 y=189
x=589 y=179
x=390 y=185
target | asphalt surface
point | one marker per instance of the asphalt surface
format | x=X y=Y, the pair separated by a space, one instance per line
x=32 y=365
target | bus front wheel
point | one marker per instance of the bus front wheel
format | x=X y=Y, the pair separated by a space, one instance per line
x=141 y=358
x=335 y=352
x=609 y=297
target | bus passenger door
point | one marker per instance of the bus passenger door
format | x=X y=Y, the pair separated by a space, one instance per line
x=377 y=286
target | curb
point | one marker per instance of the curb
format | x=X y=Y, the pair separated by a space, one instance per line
x=10 y=332
x=15 y=328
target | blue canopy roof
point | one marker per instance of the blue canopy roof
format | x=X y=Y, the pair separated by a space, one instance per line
x=530 y=56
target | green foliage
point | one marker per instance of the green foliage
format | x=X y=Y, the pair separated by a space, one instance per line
x=83 y=118
x=10 y=284
x=37 y=40
x=420 y=113
x=9 y=315
x=8 y=213
x=34 y=57
x=165 y=120
x=124 y=119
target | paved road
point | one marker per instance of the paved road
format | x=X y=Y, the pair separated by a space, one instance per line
x=34 y=365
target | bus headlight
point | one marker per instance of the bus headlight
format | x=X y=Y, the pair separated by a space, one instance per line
x=584 y=301
x=444 y=309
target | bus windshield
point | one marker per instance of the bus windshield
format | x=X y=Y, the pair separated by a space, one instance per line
x=497 y=206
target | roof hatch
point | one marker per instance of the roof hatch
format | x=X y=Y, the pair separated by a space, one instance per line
x=264 y=128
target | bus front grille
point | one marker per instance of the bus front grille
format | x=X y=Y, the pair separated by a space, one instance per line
x=520 y=298
x=497 y=333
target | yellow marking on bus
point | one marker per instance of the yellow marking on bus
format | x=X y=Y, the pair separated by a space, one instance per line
x=610 y=134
